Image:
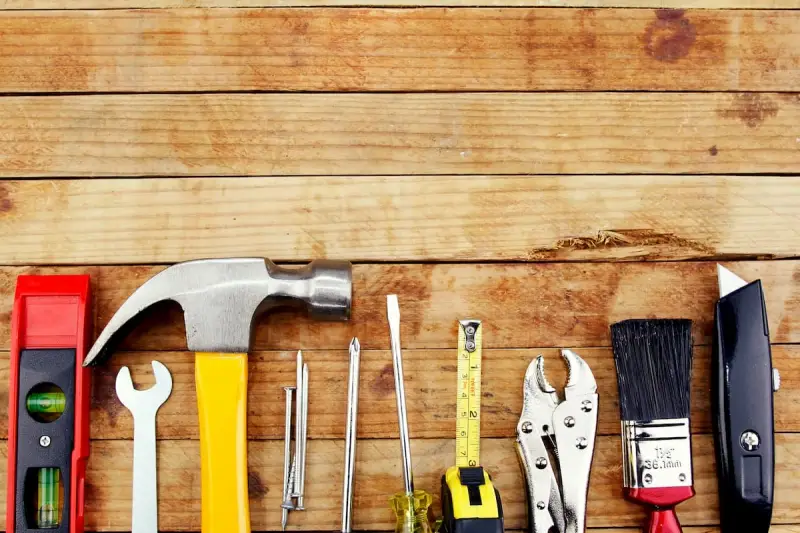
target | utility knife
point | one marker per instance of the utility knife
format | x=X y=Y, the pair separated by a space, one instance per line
x=743 y=384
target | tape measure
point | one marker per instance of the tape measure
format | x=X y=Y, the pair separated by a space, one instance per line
x=470 y=503
x=468 y=400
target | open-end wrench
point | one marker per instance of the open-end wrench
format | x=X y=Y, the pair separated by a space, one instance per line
x=143 y=405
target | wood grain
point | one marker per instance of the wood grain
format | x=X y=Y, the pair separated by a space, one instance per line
x=378 y=475
x=522 y=305
x=157 y=4
x=380 y=134
x=430 y=389
x=398 y=50
x=563 y=218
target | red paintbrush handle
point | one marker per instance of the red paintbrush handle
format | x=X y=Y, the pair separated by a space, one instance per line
x=662 y=521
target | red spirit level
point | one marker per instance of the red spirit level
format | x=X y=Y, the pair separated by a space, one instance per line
x=48 y=433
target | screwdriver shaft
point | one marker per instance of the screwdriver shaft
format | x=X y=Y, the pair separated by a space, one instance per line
x=301 y=463
x=393 y=315
x=298 y=430
x=350 y=437
x=287 y=456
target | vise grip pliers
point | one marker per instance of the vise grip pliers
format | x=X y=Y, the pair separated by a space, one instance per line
x=562 y=431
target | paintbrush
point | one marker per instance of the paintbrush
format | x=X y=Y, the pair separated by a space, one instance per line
x=654 y=369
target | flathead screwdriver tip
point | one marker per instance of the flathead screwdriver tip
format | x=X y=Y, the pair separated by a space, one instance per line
x=392 y=309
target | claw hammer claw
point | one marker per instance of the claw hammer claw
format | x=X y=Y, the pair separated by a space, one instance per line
x=221 y=299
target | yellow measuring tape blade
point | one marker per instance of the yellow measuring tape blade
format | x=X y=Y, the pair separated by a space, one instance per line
x=468 y=395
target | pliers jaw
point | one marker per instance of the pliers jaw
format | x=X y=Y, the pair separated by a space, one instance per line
x=539 y=400
x=570 y=427
x=581 y=381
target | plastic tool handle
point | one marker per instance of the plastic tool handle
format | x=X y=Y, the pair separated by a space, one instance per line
x=663 y=521
x=412 y=511
x=743 y=411
x=221 y=381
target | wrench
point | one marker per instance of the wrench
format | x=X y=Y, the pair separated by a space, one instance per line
x=143 y=405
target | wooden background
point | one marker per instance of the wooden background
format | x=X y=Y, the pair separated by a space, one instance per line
x=548 y=166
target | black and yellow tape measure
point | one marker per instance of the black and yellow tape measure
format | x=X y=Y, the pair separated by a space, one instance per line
x=470 y=503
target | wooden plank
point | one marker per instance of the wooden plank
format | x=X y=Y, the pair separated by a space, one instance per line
x=159 y=4
x=379 y=134
x=378 y=475
x=553 y=218
x=522 y=305
x=430 y=389
x=430 y=49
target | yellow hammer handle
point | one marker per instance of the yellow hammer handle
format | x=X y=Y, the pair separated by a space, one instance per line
x=221 y=380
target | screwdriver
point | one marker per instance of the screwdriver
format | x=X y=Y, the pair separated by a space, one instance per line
x=410 y=506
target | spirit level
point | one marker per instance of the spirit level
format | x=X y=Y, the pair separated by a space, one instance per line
x=48 y=434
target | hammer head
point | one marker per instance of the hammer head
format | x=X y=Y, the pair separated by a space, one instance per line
x=221 y=298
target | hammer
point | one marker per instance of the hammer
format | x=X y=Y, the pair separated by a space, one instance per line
x=220 y=299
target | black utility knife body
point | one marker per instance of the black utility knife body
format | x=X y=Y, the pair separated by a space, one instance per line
x=743 y=383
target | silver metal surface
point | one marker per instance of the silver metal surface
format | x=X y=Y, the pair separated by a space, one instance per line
x=350 y=436
x=298 y=427
x=221 y=298
x=143 y=405
x=393 y=315
x=470 y=327
x=728 y=281
x=287 y=457
x=301 y=461
x=656 y=453
x=568 y=429
x=776 y=380
x=288 y=502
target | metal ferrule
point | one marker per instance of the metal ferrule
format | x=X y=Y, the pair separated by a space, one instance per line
x=656 y=453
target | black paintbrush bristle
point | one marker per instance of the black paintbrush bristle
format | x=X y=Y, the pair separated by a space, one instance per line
x=654 y=368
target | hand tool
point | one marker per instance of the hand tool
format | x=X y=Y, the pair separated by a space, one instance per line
x=221 y=299
x=410 y=506
x=298 y=428
x=350 y=436
x=48 y=413
x=654 y=371
x=287 y=503
x=470 y=503
x=301 y=461
x=557 y=435
x=743 y=383
x=143 y=405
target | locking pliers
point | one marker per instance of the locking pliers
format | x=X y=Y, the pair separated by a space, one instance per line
x=562 y=431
